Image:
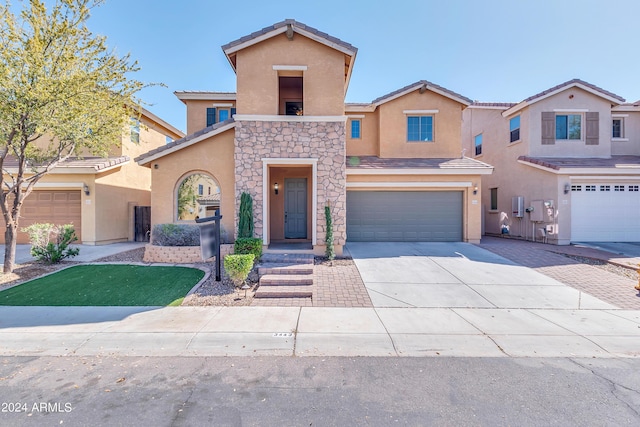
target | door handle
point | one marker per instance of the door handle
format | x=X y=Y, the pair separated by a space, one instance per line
x=285 y=217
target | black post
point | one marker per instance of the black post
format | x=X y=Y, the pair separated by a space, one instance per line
x=210 y=239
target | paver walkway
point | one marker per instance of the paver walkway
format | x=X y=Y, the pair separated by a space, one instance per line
x=544 y=258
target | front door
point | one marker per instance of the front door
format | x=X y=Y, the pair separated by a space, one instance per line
x=295 y=208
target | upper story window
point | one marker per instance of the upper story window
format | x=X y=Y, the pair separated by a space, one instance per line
x=420 y=128
x=356 y=129
x=580 y=125
x=478 y=144
x=514 y=129
x=569 y=126
x=219 y=114
x=617 y=127
x=135 y=130
x=200 y=189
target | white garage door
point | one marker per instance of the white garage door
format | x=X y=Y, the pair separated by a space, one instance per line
x=605 y=212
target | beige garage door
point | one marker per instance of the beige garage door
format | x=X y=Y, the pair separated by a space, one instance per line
x=56 y=207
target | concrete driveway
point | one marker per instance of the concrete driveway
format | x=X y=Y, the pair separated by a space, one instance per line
x=458 y=275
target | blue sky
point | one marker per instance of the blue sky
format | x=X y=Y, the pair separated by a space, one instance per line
x=488 y=50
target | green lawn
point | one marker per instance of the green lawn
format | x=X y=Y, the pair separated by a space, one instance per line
x=106 y=285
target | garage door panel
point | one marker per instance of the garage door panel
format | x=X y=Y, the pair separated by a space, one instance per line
x=57 y=207
x=404 y=216
x=599 y=215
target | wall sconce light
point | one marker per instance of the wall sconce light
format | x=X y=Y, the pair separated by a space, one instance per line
x=275 y=188
x=475 y=189
x=567 y=188
x=156 y=166
x=85 y=187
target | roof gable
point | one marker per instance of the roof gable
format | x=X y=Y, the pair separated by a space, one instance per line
x=185 y=142
x=422 y=85
x=581 y=84
x=288 y=26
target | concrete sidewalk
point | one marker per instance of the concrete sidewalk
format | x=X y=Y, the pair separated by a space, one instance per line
x=315 y=331
x=88 y=253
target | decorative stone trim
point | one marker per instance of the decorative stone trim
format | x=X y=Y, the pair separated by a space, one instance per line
x=322 y=143
x=178 y=254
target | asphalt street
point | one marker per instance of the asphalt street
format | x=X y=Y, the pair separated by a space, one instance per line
x=279 y=391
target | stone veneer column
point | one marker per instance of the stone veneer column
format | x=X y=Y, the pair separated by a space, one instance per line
x=326 y=141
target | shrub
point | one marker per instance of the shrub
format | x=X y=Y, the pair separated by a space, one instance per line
x=330 y=251
x=238 y=267
x=50 y=243
x=176 y=235
x=248 y=245
x=245 y=216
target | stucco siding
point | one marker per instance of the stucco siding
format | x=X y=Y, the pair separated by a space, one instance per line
x=446 y=123
x=323 y=80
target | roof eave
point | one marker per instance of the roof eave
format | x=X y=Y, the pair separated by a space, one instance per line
x=144 y=161
x=523 y=104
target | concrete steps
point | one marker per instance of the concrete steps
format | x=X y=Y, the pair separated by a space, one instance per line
x=285 y=276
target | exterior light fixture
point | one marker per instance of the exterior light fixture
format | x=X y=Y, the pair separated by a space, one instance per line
x=275 y=188
x=245 y=288
x=85 y=187
x=567 y=187
x=475 y=189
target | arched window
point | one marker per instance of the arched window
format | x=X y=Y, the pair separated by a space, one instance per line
x=197 y=196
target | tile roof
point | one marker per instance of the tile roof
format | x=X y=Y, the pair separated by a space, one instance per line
x=574 y=82
x=418 y=84
x=184 y=140
x=295 y=24
x=557 y=163
x=96 y=163
x=373 y=162
x=494 y=104
x=209 y=198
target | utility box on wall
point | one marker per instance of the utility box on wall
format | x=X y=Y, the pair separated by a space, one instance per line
x=536 y=213
x=517 y=206
x=543 y=211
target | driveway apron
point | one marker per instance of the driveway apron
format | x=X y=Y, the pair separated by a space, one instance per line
x=458 y=275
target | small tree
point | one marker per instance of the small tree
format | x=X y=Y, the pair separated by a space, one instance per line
x=62 y=92
x=245 y=216
x=330 y=250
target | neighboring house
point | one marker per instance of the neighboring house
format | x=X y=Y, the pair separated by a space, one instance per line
x=391 y=170
x=95 y=194
x=572 y=153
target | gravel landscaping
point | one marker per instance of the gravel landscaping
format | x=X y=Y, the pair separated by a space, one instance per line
x=611 y=268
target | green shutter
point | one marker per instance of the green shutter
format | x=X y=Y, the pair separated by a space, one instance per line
x=211 y=116
x=592 y=128
x=548 y=128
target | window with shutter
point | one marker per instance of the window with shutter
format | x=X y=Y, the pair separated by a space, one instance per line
x=211 y=116
x=548 y=128
x=592 y=128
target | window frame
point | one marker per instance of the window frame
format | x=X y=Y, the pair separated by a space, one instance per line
x=359 y=132
x=568 y=116
x=622 y=135
x=430 y=137
x=514 y=132
x=476 y=145
x=221 y=110
x=135 y=131
x=493 y=199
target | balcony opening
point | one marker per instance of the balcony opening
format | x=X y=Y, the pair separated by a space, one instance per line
x=290 y=96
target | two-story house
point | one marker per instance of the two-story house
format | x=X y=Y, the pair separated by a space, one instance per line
x=98 y=195
x=567 y=164
x=390 y=170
